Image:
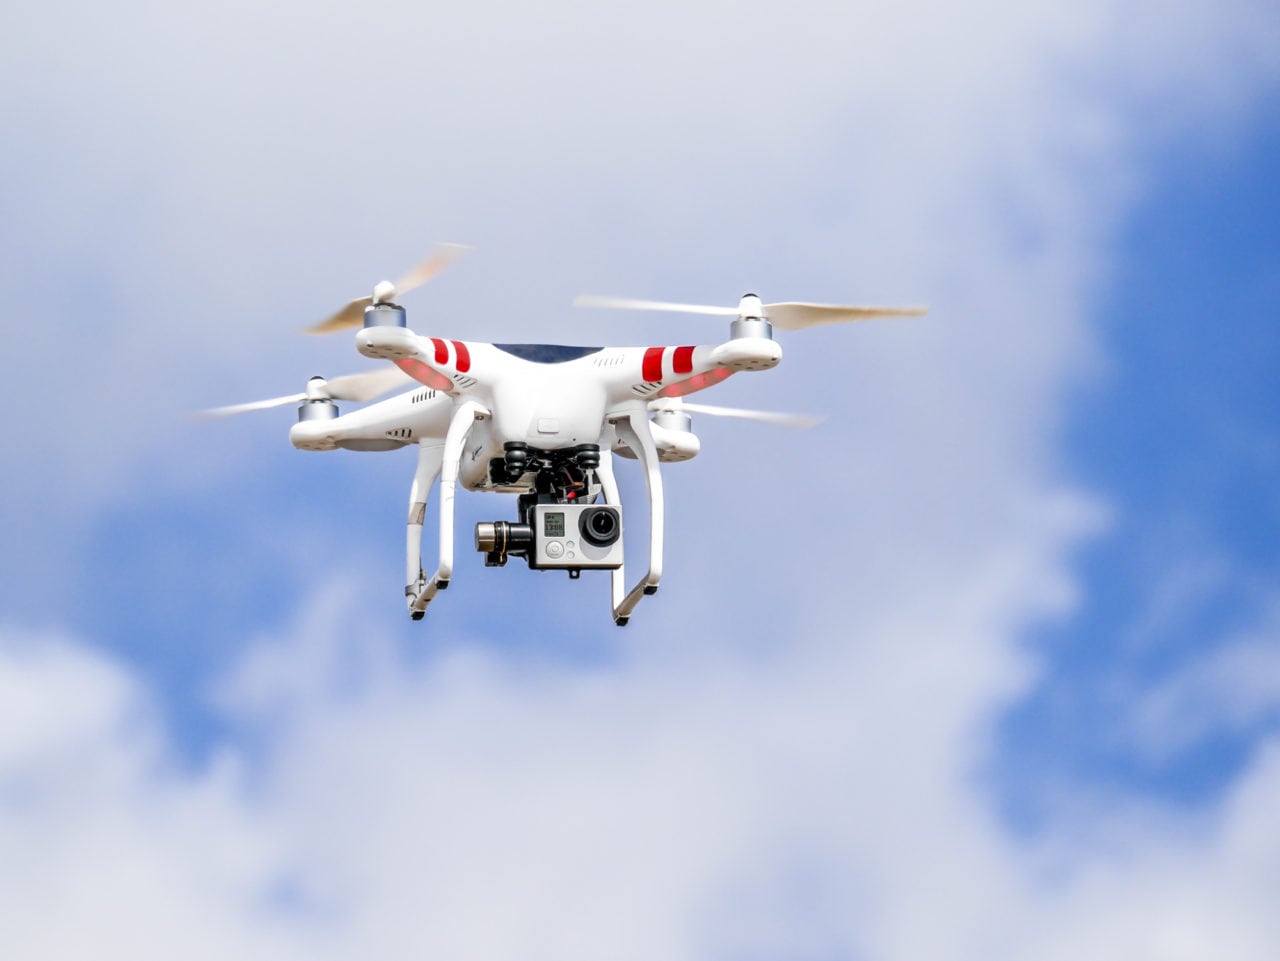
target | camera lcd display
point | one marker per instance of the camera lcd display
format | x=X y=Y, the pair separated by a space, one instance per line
x=553 y=524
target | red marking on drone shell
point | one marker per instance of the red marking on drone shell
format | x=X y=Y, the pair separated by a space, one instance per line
x=696 y=383
x=424 y=374
x=442 y=352
x=651 y=369
x=463 y=356
x=682 y=360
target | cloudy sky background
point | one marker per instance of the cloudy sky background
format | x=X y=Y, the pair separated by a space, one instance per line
x=986 y=665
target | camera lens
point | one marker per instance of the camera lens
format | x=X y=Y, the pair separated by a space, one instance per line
x=600 y=526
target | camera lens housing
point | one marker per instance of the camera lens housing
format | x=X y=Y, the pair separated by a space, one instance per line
x=498 y=539
x=600 y=526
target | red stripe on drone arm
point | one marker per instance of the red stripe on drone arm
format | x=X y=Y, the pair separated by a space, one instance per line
x=442 y=351
x=651 y=368
x=424 y=374
x=682 y=360
x=463 y=356
x=698 y=382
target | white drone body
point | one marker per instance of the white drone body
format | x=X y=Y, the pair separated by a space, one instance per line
x=536 y=420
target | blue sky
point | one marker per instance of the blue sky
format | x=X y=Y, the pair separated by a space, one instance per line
x=997 y=645
x=1179 y=430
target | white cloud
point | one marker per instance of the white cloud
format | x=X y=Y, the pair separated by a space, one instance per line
x=109 y=851
x=707 y=805
x=1170 y=886
x=783 y=760
x=1231 y=688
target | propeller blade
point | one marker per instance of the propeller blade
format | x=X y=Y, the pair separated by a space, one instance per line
x=252 y=405
x=352 y=315
x=360 y=388
x=797 y=316
x=626 y=303
x=761 y=416
x=366 y=386
x=800 y=421
x=440 y=258
x=786 y=316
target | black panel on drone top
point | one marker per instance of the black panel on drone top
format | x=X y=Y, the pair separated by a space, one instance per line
x=547 y=353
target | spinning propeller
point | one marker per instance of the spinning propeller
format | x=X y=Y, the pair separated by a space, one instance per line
x=355 y=387
x=788 y=315
x=352 y=315
x=678 y=405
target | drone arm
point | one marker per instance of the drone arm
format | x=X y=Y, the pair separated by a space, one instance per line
x=677 y=371
x=440 y=364
x=464 y=418
x=633 y=430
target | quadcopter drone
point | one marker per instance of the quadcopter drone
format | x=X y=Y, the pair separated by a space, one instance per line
x=540 y=421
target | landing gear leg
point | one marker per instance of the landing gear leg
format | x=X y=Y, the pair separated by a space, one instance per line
x=422 y=590
x=609 y=487
x=430 y=458
x=633 y=430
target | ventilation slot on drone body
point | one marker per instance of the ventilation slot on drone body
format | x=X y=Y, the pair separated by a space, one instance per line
x=423 y=395
x=466 y=383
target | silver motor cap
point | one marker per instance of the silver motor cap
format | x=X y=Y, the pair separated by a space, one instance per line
x=317 y=410
x=385 y=315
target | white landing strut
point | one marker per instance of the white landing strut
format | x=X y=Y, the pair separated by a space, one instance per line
x=633 y=430
x=436 y=460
